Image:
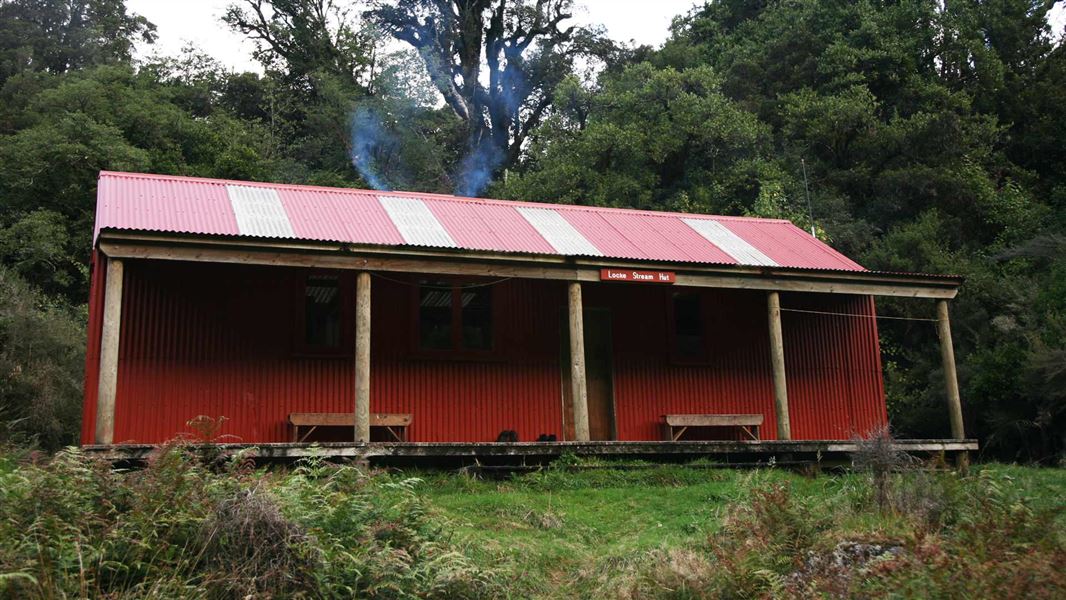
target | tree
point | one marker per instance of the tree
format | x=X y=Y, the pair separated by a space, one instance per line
x=521 y=45
x=306 y=37
x=71 y=127
x=650 y=138
x=57 y=36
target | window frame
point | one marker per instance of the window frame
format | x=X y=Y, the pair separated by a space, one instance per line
x=456 y=351
x=346 y=291
x=674 y=350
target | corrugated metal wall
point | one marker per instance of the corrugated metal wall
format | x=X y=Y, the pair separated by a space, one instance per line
x=217 y=340
x=832 y=363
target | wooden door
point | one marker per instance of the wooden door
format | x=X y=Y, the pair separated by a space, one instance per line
x=599 y=376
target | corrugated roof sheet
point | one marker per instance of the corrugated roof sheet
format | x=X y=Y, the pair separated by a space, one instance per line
x=166 y=203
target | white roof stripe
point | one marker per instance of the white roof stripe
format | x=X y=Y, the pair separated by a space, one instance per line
x=259 y=211
x=730 y=243
x=417 y=224
x=558 y=231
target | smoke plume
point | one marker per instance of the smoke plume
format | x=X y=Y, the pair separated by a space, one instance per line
x=370 y=142
x=477 y=167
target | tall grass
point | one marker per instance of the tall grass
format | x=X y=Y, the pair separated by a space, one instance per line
x=909 y=534
x=194 y=526
x=72 y=527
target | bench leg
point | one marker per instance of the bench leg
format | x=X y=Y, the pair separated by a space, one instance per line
x=394 y=435
x=680 y=433
x=309 y=432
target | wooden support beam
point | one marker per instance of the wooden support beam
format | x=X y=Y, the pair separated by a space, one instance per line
x=777 y=362
x=362 y=357
x=109 y=343
x=951 y=381
x=577 y=364
x=747 y=453
x=388 y=258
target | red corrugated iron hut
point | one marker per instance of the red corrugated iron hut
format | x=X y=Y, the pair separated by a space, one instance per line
x=305 y=314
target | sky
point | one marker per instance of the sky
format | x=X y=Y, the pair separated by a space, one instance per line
x=198 y=23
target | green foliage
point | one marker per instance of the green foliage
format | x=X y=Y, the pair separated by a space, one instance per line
x=41 y=365
x=646 y=531
x=74 y=527
x=652 y=138
x=64 y=35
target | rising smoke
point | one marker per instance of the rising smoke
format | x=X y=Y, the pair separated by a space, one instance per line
x=377 y=149
x=376 y=152
x=370 y=141
x=477 y=167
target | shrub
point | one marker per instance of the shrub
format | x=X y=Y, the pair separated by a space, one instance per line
x=42 y=361
x=72 y=526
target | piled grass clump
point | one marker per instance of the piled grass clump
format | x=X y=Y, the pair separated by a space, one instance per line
x=73 y=527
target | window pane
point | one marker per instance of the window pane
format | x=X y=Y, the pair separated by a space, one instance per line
x=688 y=324
x=322 y=312
x=435 y=315
x=477 y=318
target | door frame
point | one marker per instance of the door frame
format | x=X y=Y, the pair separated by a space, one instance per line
x=565 y=390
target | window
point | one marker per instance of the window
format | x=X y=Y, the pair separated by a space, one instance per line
x=688 y=332
x=454 y=317
x=321 y=327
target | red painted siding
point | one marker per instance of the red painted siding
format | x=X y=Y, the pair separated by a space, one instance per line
x=217 y=340
x=832 y=363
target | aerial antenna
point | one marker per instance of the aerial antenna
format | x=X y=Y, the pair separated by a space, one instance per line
x=806 y=188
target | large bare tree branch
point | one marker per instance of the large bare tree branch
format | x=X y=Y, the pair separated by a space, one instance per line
x=519 y=44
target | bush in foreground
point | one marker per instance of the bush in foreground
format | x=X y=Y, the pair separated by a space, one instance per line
x=73 y=527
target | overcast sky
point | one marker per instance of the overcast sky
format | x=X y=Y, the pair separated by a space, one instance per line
x=198 y=22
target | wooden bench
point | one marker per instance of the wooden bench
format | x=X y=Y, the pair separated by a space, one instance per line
x=395 y=424
x=674 y=426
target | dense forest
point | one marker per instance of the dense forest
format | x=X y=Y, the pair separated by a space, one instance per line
x=930 y=136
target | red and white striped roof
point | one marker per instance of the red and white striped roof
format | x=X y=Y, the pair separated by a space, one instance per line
x=166 y=203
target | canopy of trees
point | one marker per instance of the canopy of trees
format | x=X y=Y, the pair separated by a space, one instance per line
x=930 y=135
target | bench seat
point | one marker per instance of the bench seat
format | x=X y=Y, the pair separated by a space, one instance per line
x=395 y=423
x=674 y=426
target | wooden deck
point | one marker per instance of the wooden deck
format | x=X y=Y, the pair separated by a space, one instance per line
x=761 y=452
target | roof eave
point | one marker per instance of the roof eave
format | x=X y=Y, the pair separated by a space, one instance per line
x=288 y=252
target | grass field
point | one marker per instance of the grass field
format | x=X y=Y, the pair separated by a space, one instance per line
x=72 y=527
x=585 y=532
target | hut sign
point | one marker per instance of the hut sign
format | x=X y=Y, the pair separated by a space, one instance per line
x=638 y=276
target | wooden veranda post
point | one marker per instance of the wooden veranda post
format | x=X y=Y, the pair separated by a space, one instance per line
x=951 y=381
x=362 y=357
x=777 y=361
x=578 y=385
x=109 y=342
